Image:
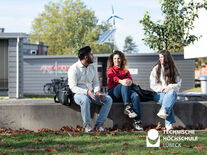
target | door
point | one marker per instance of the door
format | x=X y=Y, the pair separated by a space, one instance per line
x=3 y=64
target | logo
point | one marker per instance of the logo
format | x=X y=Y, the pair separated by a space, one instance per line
x=153 y=138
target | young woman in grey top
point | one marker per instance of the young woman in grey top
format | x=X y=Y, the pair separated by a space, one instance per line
x=165 y=80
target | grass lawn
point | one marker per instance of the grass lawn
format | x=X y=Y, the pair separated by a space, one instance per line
x=39 y=96
x=94 y=143
x=197 y=89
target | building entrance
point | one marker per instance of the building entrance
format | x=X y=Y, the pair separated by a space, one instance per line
x=3 y=64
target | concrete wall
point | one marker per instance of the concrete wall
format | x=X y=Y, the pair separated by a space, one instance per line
x=38 y=114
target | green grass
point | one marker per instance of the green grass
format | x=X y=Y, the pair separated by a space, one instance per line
x=197 y=89
x=39 y=96
x=105 y=143
x=4 y=98
x=32 y=97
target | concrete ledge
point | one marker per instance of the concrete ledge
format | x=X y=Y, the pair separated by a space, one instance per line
x=38 y=114
x=192 y=96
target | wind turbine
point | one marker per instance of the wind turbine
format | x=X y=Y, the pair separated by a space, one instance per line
x=109 y=36
x=113 y=16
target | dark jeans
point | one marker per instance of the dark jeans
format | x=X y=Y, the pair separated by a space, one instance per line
x=125 y=94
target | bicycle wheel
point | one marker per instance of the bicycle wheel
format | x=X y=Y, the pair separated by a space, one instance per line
x=48 y=88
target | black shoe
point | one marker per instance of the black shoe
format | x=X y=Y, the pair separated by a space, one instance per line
x=138 y=125
x=130 y=112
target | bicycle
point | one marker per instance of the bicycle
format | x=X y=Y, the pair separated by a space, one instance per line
x=55 y=85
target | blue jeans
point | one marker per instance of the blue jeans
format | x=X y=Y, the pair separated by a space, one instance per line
x=125 y=94
x=167 y=100
x=84 y=101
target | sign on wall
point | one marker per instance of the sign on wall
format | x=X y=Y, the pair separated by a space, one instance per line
x=54 y=69
x=133 y=71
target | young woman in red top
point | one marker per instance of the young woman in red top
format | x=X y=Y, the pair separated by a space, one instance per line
x=119 y=83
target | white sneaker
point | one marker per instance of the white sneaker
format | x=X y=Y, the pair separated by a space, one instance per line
x=169 y=127
x=130 y=112
x=99 y=128
x=138 y=125
x=162 y=114
x=88 y=128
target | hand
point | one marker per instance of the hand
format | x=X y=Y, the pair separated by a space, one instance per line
x=126 y=82
x=100 y=96
x=90 y=93
x=166 y=89
x=129 y=81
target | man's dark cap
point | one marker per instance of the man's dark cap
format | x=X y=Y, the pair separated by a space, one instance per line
x=84 y=51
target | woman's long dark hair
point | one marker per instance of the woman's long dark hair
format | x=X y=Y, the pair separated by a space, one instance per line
x=170 y=69
x=110 y=62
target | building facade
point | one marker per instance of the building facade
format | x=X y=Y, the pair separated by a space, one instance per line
x=25 y=68
x=11 y=64
x=12 y=48
x=39 y=70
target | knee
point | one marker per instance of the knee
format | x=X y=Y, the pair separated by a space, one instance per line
x=85 y=99
x=172 y=93
x=82 y=100
x=134 y=95
x=108 y=99
x=126 y=88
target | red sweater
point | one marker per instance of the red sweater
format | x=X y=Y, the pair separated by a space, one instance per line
x=114 y=74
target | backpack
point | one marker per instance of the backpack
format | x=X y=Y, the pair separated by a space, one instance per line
x=64 y=96
x=145 y=95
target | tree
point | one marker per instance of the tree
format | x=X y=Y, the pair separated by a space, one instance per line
x=129 y=45
x=67 y=26
x=173 y=33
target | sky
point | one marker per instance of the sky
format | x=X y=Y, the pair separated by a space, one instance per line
x=17 y=16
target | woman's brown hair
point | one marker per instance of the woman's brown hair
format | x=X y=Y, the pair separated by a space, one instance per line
x=110 y=62
x=170 y=69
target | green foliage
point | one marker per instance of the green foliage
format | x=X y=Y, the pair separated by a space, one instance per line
x=173 y=33
x=129 y=45
x=200 y=62
x=67 y=26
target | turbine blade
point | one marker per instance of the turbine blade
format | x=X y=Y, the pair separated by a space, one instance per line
x=118 y=17
x=108 y=19
x=112 y=9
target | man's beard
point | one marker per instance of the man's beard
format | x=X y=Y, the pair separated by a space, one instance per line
x=89 y=61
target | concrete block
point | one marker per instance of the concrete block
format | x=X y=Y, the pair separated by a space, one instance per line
x=38 y=114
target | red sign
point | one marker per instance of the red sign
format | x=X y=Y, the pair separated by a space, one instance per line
x=53 y=68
